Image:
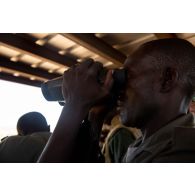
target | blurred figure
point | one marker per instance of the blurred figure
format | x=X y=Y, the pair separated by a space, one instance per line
x=118 y=140
x=33 y=134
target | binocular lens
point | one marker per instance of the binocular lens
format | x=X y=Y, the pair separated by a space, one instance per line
x=52 y=89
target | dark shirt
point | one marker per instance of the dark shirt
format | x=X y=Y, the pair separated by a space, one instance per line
x=23 y=148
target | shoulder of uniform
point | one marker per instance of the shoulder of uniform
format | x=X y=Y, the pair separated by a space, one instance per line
x=184 y=138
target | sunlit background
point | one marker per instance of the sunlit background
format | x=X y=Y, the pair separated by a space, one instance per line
x=18 y=99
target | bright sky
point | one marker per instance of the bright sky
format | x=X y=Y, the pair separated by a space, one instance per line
x=18 y=99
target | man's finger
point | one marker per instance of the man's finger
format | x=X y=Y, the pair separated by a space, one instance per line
x=108 y=83
x=95 y=68
x=85 y=65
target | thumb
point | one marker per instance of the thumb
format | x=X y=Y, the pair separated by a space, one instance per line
x=108 y=83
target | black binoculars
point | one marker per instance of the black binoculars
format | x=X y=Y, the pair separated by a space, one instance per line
x=52 y=89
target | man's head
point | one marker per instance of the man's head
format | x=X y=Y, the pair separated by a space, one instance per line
x=161 y=74
x=32 y=122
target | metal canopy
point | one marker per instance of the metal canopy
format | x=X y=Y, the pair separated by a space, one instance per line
x=33 y=58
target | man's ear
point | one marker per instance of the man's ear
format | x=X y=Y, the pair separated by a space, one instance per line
x=169 y=79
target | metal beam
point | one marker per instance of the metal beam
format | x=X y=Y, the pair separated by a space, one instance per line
x=98 y=46
x=165 y=35
x=46 y=45
x=22 y=67
x=21 y=80
x=29 y=47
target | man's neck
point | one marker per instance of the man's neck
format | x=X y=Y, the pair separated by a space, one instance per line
x=169 y=111
x=158 y=123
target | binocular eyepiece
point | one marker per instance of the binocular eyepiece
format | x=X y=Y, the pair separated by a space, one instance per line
x=52 y=89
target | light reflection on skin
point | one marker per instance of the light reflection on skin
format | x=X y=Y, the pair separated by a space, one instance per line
x=192 y=107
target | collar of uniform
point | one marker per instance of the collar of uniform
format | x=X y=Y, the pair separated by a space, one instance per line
x=166 y=132
x=161 y=137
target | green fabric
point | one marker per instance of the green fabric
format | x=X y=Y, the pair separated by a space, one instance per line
x=118 y=144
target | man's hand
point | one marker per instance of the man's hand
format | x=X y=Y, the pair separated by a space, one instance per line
x=81 y=86
x=81 y=91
